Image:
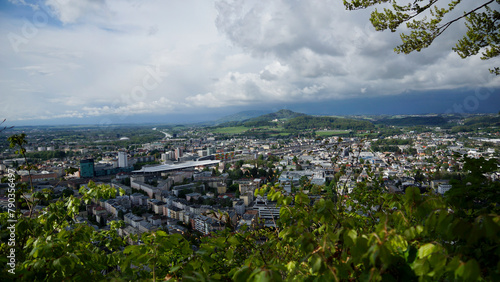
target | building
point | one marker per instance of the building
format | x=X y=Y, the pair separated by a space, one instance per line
x=178 y=176
x=167 y=156
x=239 y=207
x=156 y=206
x=37 y=177
x=443 y=188
x=221 y=188
x=435 y=183
x=178 y=153
x=267 y=210
x=165 y=168
x=87 y=168
x=247 y=198
x=205 y=224
x=248 y=187
x=172 y=212
x=195 y=196
x=187 y=187
x=122 y=159
x=132 y=219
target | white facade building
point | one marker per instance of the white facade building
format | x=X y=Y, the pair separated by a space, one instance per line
x=122 y=159
x=443 y=188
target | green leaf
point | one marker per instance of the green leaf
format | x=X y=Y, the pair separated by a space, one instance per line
x=242 y=274
x=421 y=267
x=426 y=250
x=469 y=271
x=316 y=264
x=350 y=237
x=229 y=254
x=233 y=240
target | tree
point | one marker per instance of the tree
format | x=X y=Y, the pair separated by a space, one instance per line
x=387 y=237
x=475 y=194
x=5 y=127
x=304 y=180
x=482 y=22
x=298 y=167
x=419 y=177
x=19 y=141
x=270 y=174
x=67 y=192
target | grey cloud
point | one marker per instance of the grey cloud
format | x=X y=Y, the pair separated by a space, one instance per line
x=266 y=52
x=310 y=64
x=319 y=39
x=279 y=27
x=267 y=75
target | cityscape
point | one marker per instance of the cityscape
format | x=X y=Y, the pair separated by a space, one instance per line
x=249 y=141
x=199 y=180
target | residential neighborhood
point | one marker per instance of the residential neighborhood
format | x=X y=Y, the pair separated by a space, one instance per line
x=201 y=183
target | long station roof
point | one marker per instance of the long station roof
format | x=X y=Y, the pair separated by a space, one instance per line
x=170 y=167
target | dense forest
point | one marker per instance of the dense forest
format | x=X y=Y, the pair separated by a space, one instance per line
x=412 y=121
x=264 y=120
x=279 y=115
x=483 y=123
x=309 y=122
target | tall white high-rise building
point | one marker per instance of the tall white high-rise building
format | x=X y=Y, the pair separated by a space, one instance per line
x=122 y=159
x=178 y=153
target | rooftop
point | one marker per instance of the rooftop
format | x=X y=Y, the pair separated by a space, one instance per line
x=168 y=167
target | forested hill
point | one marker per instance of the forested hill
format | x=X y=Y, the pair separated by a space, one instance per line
x=240 y=117
x=412 y=121
x=309 y=122
x=298 y=121
x=264 y=120
x=281 y=114
x=483 y=121
x=473 y=123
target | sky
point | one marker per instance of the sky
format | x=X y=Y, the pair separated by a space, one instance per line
x=122 y=61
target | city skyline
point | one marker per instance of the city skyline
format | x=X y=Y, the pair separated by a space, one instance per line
x=97 y=62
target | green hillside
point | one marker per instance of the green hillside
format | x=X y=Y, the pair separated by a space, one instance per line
x=413 y=121
x=286 y=122
x=488 y=123
x=240 y=117
x=483 y=121
x=309 y=122
x=266 y=120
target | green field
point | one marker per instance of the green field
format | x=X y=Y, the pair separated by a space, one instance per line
x=332 y=132
x=230 y=130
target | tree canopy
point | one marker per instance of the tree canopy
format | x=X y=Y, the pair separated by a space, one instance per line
x=428 y=19
x=368 y=236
